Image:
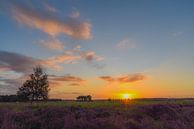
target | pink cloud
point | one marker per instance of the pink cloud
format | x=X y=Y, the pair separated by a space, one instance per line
x=126 y=44
x=125 y=78
x=52 y=44
x=51 y=24
x=90 y=55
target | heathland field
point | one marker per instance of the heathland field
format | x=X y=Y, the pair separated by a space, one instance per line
x=127 y=114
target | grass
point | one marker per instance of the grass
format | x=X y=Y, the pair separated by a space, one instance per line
x=19 y=106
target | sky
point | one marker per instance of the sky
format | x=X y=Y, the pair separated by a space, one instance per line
x=99 y=48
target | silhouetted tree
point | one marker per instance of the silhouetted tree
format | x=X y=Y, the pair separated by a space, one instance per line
x=8 y=98
x=84 y=98
x=37 y=87
x=89 y=98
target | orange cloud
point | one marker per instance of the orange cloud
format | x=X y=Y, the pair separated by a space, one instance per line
x=53 y=44
x=68 y=78
x=90 y=55
x=131 y=78
x=51 y=24
x=125 y=78
x=74 y=84
x=107 y=78
x=72 y=56
x=72 y=80
x=55 y=62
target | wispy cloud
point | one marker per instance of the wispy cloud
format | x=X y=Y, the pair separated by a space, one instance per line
x=50 y=23
x=130 y=78
x=107 y=78
x=52 y=44
x=56 y=61
x=90 y=56
x=50 y=8
x=10 y=82
x=177 y=34
x=23 y=64
x=75 y=14
x=126 y=44
x=71 y=80
x=74 y=56
x=67 y=78
x=74 y=84
x=17 y=62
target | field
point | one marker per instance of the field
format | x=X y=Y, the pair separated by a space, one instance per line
x=131 y=114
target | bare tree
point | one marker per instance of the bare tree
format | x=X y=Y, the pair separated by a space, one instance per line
x=37 y=87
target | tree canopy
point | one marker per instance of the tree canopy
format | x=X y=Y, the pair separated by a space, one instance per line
x=37 y=87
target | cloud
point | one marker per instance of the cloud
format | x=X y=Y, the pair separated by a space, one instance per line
x=131 y=78
x=107 y=78
x=126 y=44
x=67 y=78
x=177 y=34
x=74 y=56
x=56 y=61
x=90 y=56
x=72 y=80
x=10 y=82
x=50 y=23
x=50 y=8
x=74 y=84
x=10 y=85
x=10 y=61
x=125 y=78
x=53 y=44
x=75 y=14
x=17 y=62
x=86 y=55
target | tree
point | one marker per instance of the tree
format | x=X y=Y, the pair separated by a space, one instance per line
x=84 y=98
x=37 y=87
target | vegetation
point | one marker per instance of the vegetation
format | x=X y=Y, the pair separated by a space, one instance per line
x=138 y=114
x=9 y=98
x=36 y=88
x=84 y=98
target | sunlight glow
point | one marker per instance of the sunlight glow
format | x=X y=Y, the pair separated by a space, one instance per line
x=126 y=96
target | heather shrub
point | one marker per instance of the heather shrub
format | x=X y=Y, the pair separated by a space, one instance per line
x=159 y=111
x=51 y=118
x=138 y=117
x=131 y=124
x=100 y=123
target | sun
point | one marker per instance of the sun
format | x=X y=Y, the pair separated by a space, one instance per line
x=126 y=96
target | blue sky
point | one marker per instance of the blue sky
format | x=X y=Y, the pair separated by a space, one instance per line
x=132 y=38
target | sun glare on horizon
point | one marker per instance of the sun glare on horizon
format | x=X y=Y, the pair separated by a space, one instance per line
x=126 y=96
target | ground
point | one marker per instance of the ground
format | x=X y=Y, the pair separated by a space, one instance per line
x=127 y=114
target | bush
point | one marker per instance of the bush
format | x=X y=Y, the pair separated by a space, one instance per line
x=140 y=117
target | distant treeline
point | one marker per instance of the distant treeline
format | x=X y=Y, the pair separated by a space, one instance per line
x=16 y=98
x=10 y=98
